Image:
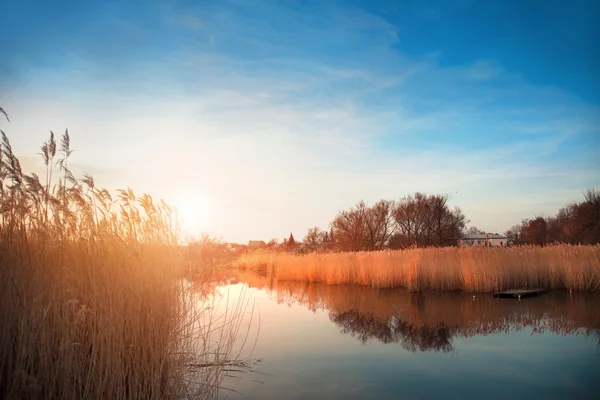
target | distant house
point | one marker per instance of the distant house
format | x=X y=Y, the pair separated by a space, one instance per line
x=256 y=244
x=499 y=240
x=484 y=239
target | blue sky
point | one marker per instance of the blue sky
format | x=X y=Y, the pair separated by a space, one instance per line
x=275 y=115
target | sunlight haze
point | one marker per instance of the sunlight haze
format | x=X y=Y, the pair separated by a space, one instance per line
x=261 y=118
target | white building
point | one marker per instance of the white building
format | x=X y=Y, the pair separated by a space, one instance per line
x=484 y=239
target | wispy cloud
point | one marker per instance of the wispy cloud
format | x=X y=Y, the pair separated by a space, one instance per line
x=280 y=123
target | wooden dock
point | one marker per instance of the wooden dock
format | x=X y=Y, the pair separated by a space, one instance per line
x=518 y=293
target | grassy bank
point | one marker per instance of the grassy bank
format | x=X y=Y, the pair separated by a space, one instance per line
x=93 y=303
x=475 y=269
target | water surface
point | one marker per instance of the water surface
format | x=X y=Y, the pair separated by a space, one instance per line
x=336 y=342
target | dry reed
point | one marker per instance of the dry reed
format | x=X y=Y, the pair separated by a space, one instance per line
x=475 y=269
x=92 y=299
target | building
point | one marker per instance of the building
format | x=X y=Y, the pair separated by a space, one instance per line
x=256 y=244
x=484 y=239
x=498 y=240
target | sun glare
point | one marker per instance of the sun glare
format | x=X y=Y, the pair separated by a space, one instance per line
x=193 y=212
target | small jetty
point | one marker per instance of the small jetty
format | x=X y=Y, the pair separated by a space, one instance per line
x=518 y=293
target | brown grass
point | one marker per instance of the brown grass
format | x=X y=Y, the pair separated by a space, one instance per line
x=474 y=269
x=93 y=303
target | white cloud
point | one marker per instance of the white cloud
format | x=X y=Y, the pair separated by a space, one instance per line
x=277 y=144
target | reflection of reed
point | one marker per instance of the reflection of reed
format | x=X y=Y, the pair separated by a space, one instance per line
x=424 y=322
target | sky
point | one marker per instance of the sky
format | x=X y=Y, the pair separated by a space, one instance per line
x=261 y=118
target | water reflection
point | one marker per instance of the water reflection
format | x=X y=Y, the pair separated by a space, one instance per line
x=431 y=321
x=413 y=338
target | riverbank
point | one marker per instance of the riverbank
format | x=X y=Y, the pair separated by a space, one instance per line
x=473 y=269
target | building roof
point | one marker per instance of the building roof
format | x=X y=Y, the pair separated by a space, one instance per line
x=256 y=243
x=484 y=236
x=476 y=236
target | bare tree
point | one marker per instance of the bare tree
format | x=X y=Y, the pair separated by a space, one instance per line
x=426 y=221
x=577 y=223
x=447 y=224
x=534 y=231
x=589 y=218
x=379 y=225
x=348 y=228
x=514 y=234
x=408 y=220
x=314 y=238
x=272 y=243
x=441 y=220
x=567 y=222
x=473 y=230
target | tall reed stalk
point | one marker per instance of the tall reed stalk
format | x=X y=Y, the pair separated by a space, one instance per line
x=93 y=303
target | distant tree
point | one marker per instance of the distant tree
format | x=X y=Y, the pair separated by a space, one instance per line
x=554 y=230
x=588 y=217
x=410 y=216
x=424 y=220
x=534 y=231
x=577 y=223
x=273 y=243
x=415 y=220
x=349 y=228
x=513 y=235
x=565 y=228
x=473 y=230
x=326 y=237
x=447 y=224
x=363 y=227
x=379 y=225
x=400 y=241
x=207 y=248
x=291 y=241
x=314 y=238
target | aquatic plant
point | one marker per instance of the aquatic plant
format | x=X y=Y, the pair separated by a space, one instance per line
x=92 y=300
x=475 y=269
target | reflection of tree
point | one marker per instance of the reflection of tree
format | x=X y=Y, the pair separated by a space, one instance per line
x=413 y=338
x=429 y=321
x=363 y=326
x=425 y=338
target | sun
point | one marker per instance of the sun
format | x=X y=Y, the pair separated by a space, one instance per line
x=193 y=211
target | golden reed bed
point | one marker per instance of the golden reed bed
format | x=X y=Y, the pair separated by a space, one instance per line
x=93 y=304
x=474 y=269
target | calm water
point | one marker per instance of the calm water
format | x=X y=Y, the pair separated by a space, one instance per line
x=320 y=342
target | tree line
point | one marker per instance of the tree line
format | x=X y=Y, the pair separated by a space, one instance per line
x=422 y=220
x=577 y=223
x=415 y=220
